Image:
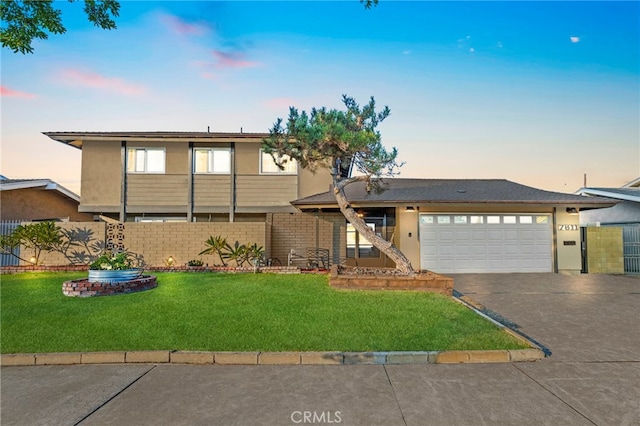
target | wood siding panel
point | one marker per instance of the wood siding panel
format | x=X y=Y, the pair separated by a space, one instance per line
x=157 y=190
x=261 y=190
x=211 y=190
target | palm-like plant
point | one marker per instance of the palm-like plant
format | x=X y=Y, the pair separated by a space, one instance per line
x=216 y=245
x=237 y=253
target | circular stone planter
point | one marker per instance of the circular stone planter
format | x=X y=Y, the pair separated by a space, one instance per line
x=113 y=276
x=84 y=288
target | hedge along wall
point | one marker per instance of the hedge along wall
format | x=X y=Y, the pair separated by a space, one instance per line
x=157 y=241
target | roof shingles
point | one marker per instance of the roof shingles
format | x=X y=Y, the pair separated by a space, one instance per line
x=395 y=191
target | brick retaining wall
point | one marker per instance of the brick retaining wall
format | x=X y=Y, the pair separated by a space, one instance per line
x=84 y=288
x=429 y=282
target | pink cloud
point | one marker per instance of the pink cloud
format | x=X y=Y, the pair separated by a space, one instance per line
x=179 y=26
x=76 y=77
x=10 y=93
x=232 y=60
x=208 y=75
x=280 y=103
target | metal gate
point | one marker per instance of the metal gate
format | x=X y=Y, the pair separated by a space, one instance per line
x=6 y=228
x=631 y=244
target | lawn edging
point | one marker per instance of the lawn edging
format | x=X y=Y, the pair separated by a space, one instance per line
x=273 y=358
x=511 y=330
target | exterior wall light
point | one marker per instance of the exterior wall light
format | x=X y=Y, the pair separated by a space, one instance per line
x=572 y=210
x=32 y=259
x=170 y=261
x=410 y=209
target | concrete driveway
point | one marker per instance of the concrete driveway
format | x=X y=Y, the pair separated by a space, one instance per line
x=590 y=324
x=586 y=318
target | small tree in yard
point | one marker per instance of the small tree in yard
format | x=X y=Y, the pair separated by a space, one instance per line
x=326 y=138
x=36 y=236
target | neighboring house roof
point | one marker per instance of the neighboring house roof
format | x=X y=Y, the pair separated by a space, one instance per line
x=624 y=193
x=76 y=139
x=633 y=184
x=461 y=191
x=45 y=184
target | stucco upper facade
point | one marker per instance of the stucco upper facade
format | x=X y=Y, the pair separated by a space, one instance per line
x=242 y=187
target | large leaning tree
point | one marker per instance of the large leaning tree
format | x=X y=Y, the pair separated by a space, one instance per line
x=325 y=139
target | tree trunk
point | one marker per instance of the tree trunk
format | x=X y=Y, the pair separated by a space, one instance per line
x=387 y=247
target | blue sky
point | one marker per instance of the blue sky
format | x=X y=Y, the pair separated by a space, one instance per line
x=535 y=92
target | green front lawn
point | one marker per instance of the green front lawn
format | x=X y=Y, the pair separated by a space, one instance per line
x=235 y=312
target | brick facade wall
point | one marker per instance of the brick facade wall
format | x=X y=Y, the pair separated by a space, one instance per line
x=605 y=250
x=183 y=241
x=299 y=231
x=95 y=230
x=157 y=241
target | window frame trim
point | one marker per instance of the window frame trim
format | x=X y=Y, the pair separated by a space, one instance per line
x=209 y=161
x=145 y=172
x=279 y=172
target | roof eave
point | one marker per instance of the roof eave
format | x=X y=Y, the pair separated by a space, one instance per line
x=44 y=184
x=76 y=139
x=608 y=194
x=580 y=204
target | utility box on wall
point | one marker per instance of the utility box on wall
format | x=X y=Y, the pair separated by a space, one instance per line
x=604 y=250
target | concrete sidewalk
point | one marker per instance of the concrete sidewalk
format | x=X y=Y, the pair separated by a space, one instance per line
x=589 y=323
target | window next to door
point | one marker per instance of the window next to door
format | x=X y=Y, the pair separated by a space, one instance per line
x=357 y=245
x=381 y=221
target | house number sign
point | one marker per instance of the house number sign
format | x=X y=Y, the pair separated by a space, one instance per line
x=568 y=227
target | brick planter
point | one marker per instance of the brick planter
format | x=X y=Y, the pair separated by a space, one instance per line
x=426 y=281
x=84 y=288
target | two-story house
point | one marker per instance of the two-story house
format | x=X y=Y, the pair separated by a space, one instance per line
x=185 y=176
x=444 y=225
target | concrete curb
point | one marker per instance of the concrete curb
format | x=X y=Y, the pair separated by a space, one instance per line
x=272 y=358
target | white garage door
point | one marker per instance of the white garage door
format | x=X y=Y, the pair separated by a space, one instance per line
x=463 y=242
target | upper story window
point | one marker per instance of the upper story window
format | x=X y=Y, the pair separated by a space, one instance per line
x=268 y=166
x=212 y=160
x=145 y=160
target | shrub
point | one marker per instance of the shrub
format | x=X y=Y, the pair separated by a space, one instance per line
x=116 y=261
x=239 y=253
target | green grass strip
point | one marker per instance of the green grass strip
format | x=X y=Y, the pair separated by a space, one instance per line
x=236 y=312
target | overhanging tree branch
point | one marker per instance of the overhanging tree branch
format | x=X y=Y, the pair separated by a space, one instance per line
x=22 y=21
